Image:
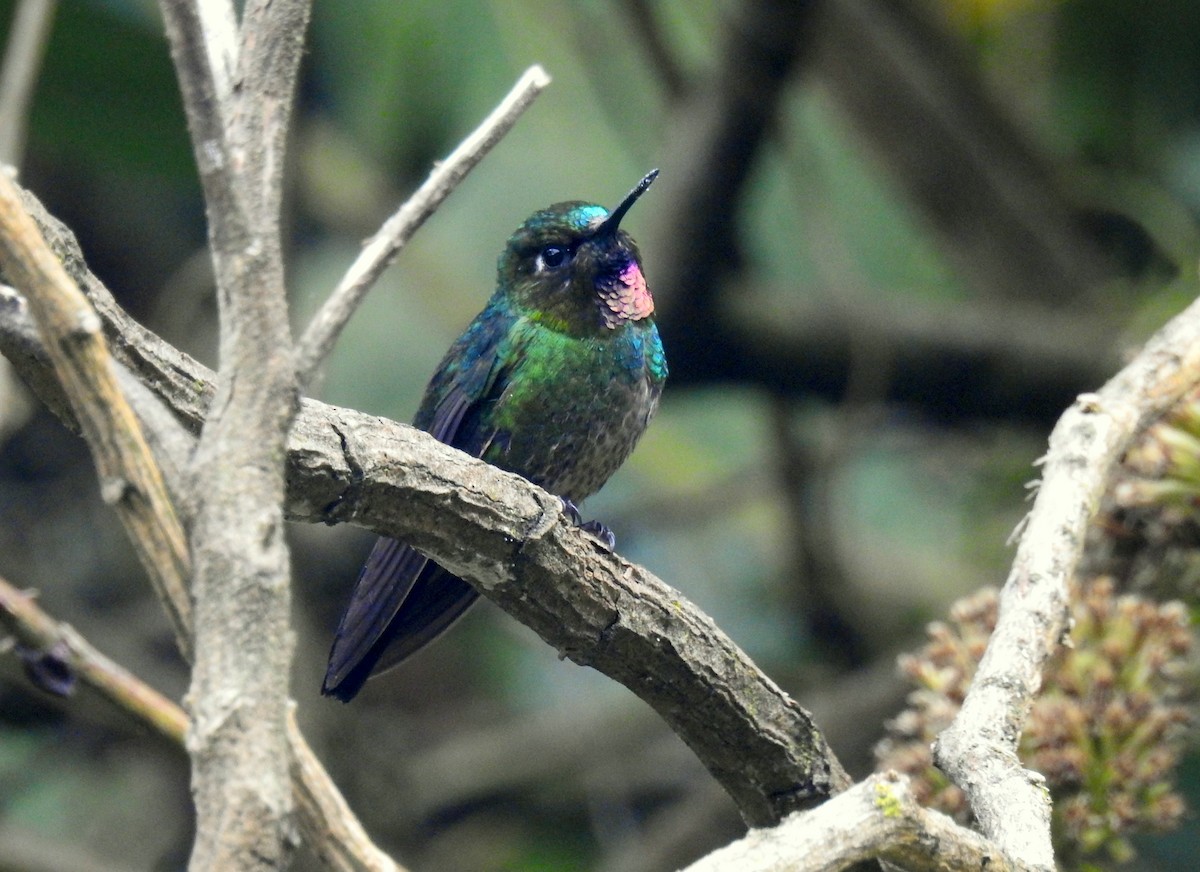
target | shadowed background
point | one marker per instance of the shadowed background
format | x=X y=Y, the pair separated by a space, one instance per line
x=890 y=243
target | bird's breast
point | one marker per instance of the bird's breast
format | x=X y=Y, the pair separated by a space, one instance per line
x=574 y=409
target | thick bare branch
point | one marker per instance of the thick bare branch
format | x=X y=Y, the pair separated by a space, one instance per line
x=322 y=333
x=272 y=43
x=979 y=749
x=510 y=539
x=876 y=819
x=241 y=584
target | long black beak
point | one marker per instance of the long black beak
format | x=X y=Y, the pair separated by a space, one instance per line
x=614 y=218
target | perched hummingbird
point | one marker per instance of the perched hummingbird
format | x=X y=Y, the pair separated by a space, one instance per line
x=554 y=380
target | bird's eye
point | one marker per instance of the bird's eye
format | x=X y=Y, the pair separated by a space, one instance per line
x=553 y=256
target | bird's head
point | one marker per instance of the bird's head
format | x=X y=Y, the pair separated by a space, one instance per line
x=571 y=267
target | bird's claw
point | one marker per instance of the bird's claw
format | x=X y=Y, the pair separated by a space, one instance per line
x=601 y=532
x=596 y=528
x=572 y=512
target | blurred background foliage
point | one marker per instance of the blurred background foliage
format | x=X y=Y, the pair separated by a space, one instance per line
x=891 y=241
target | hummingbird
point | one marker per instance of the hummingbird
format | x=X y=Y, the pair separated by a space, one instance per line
x=555 y=380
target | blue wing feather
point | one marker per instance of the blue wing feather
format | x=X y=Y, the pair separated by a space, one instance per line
x=402 y=600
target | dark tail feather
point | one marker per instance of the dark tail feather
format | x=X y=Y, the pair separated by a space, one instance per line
x=350 y=684
x=401 y=602
x=384 y=581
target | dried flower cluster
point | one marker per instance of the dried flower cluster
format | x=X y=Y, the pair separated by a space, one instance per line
x=1107 y=730
x=1147 y=533
x=1163 y=468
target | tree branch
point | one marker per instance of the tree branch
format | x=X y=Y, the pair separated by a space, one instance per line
x=510 y=540
x=979 y=749
x=241 y=584
x=876 y=819
x=379 y=253
x=37 y=632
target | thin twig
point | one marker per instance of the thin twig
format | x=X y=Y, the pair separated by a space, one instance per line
x=334 y=833
x=979 y=749
x=272 y=43
x=22 y=62
x=323 y=331
x=218 y=21
x=36 y=630
x=200 y=41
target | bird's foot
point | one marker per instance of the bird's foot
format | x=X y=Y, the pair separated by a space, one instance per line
x=600 y=531
x=596 y=528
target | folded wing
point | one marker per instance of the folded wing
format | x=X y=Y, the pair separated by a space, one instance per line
x=402 y=600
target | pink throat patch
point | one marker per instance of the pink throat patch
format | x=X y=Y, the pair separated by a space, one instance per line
x=626 y=299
